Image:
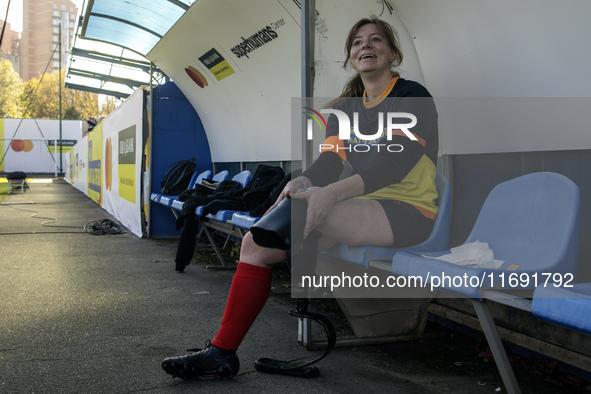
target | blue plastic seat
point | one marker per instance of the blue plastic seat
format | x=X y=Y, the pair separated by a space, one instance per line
x=437 y=241
x=243 y=177
x=200 y=177
x=224 y=215
x=219 y=177
x=155 y=197
x=531 y=223
x=178 y=205
x=568 y=307
x=243 y=220
x=167 y=201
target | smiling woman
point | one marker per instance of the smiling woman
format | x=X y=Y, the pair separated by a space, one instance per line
x=388 y=201
x=371 y=48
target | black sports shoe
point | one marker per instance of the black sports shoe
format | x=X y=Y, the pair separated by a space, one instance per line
x=209 y=362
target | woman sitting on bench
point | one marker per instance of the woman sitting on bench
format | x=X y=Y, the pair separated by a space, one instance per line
x=388 y=201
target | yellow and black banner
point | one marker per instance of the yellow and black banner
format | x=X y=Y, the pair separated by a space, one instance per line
x=95 y=165
x=215 y=62
x=126 y=167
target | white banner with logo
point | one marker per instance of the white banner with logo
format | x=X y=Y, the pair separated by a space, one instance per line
x=238 y=63
x=79 y=166
x=32 y=145
x=122 y=163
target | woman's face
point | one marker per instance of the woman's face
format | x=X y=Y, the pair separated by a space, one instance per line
x=370 y=51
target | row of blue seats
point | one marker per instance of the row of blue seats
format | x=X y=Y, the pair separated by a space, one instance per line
x=167 y=200
x=218 y=221
x=532 y=225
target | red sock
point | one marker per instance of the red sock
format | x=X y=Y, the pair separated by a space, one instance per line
x=248 y=294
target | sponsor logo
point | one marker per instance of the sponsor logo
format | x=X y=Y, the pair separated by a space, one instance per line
x=21 y=145
x=127 y=163
x=215 y=62
x=196 y=76
x=109 y=164
x=256 y=40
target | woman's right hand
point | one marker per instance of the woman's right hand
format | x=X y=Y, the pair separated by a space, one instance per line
x=290 y=188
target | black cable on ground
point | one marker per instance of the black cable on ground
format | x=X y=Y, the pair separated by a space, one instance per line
x=96 y=227
x=103 y=226
x=35 y=215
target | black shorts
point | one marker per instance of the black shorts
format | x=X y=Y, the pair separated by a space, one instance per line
x=409 y=226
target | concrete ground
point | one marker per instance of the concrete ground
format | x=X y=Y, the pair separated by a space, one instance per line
x=83 y=313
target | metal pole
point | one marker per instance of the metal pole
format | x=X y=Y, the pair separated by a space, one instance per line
x=60 y=91
x=5 y=22
x=55 y=162
x=308 y=25
x=148 y=174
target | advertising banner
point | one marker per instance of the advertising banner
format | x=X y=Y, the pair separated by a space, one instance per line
x=69 y=167
x=78 y=165
x=127 y=163
x=29 y=145
x=95 y=164
x=122 y=172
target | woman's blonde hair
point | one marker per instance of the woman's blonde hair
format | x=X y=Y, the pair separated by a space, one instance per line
x=354 y=86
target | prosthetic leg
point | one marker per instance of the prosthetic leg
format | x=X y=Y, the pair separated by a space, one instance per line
x=282 y=229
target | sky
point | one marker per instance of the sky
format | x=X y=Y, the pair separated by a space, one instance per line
x=15 y=13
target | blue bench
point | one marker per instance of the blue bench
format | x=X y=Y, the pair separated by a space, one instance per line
x=532 y=225
x=568 y=307
x=224 y=215
x=523 y=232
x=220 y=221
x=167 y=200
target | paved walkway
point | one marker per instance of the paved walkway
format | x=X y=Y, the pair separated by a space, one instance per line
x=83 y=313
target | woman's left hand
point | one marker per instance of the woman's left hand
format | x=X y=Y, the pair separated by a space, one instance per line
x=321 y=201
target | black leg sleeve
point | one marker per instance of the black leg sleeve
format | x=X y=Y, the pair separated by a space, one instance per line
x=186 y=247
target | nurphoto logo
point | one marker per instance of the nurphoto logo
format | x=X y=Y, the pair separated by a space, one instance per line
x=346 y=132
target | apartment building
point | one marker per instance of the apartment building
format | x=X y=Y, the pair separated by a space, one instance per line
x=10 y=40
x=10 y=46
x=40 y=36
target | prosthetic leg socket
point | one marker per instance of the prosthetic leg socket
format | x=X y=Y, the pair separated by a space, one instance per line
x=274 y=230
x=283 y=229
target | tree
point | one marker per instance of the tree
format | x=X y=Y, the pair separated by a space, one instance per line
x=11 y=87
x=108 y=105
x=41 y=96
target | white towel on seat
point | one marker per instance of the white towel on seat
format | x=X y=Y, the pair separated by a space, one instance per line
x=475 y=254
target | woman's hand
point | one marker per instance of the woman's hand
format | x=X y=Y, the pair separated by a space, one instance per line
x=290 y=188
x=321 y=201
